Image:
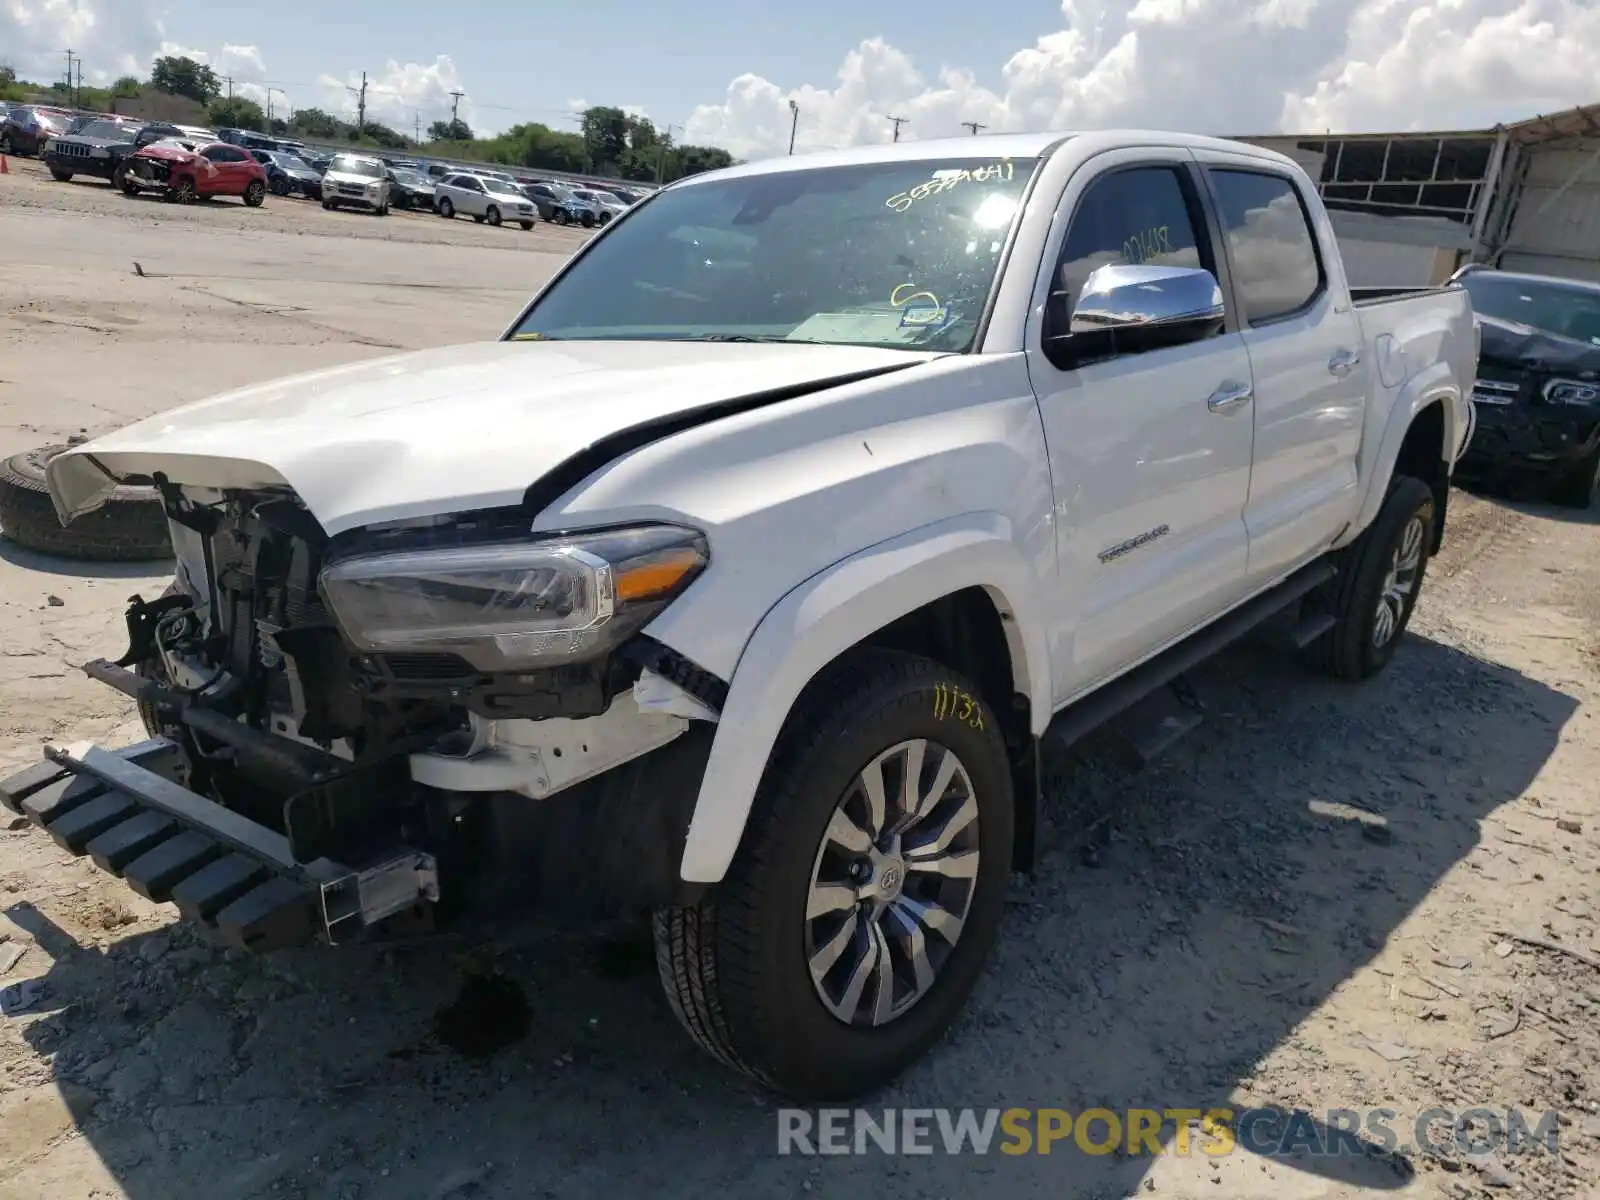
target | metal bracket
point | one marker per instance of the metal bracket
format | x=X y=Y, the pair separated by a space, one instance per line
x=360 y=899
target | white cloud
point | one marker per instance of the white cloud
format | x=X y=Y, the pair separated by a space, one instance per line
x=1212 y=66
x=400 y=94
x=114 y=37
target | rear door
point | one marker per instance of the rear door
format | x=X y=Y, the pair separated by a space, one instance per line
x=1305 y=346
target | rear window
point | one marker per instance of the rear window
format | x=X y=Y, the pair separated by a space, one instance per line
x=1270 y=243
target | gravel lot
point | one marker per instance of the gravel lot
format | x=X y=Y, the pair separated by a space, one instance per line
x=1305 y=905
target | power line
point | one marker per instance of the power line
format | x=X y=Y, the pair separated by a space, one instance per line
x=898 y=121
x=974 y=126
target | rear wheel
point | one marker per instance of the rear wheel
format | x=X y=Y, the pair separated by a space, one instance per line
x=280 y=187
x=446 y=209
x=255 y=193
x=492 y=215
x=563 y=217
x=867 y=893
x=1375 y=592
x=1578 y=488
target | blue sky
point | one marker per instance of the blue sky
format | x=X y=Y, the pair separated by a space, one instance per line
x=725 y=73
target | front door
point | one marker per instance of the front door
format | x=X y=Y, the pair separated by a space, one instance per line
x=1149 y=451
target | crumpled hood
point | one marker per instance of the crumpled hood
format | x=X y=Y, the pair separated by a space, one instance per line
x=1536 y=350
x=444 y=430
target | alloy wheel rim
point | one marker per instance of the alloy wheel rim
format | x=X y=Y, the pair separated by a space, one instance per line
x=892 y=883
x=1399 y=584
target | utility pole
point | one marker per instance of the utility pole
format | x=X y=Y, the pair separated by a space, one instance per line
x=69 y=76
x=228 y=79
x=794 y=123
x=974 y=126
x=361 y=104
x=898 y=121
x=280 y=92
x=455 y=106
x=661 y=153
x=416 y=118
x=77 y=93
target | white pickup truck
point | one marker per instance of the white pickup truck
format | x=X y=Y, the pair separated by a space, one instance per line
x=742 y=579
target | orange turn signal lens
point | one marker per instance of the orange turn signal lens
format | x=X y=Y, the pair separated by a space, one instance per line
x=656 y=576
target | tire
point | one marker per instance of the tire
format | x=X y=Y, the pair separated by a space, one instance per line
x=1356 y=647
x=60 y=176
x=5 y=144
x=735 y=967
x=183 y=191
x=526 y=225
x=1578 y=488
x=122 y=179
x=280 y=187
x=447 y=210
x=563 y=217
x=588 y=220
x=605 y=219
x=492 y=215
x=382 y=210
x=328 y=204
x=255 y=193
x=130 y=527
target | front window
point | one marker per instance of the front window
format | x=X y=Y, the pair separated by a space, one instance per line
x=356 y=166
x=290 y=163
x=892 y=254
x=1554 y=307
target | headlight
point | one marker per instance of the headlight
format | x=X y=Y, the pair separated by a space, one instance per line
x=514 y=606
x=1571 y=391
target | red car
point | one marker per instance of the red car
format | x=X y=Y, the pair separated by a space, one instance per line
x=26 y=128
x=187 y=174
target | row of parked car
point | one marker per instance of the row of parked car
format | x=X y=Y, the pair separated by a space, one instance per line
x=188 y=162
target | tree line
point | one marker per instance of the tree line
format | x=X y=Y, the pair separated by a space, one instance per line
x=610 y=142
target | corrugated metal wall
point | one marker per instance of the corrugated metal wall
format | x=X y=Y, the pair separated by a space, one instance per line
x=1556 y=232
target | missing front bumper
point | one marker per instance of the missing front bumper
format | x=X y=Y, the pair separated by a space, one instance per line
x=131 y=814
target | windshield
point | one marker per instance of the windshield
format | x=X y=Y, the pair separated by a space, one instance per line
x=410 y=178
x=1554 y=307
x=893 y=254
x=356 y=166
x=110 y=130
x=290 y=162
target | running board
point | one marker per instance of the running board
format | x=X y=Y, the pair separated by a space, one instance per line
x=1077 y=720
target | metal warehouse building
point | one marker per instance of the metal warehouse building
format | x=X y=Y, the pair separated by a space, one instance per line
x=1410 y=207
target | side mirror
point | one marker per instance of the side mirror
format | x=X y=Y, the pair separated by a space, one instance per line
x=1125 y=309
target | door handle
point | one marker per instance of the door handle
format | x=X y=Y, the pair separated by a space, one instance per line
x=1228 y=397
x=1343 y=362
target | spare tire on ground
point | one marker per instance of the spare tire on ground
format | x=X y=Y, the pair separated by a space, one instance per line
x=130 y=527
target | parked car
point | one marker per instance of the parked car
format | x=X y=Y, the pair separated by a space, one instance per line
x=483 y=199
x=409 y=188
x=606 y=205
x=356 y=180
x=27 y=127
x=100 y=147
x=620 y=656
x=186 y=175
x=560 y=204
x=287 y=175
x=1537 y=393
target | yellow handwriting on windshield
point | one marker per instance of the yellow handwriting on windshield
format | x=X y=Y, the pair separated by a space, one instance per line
x=1146 y=244
x=945 y=180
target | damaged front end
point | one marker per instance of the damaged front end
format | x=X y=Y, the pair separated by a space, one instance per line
x=396 y=727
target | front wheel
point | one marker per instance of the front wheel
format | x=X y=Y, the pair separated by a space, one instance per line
x=1375 y=592
x=280 y=187
x=868 y=890
x=184 y=191
x=254 y=193
x=526 y=225
x=446 y=209
x=492 y=216
x=60 y=176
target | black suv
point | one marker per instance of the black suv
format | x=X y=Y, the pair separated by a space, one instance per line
x=97 y=147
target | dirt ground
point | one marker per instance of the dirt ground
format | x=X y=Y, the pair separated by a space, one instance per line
x=1326 y=898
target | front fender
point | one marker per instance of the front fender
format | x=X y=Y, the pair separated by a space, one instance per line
x=829 y=613
x=1436 y=384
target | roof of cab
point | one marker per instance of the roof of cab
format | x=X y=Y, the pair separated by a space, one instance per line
x=989 y=145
